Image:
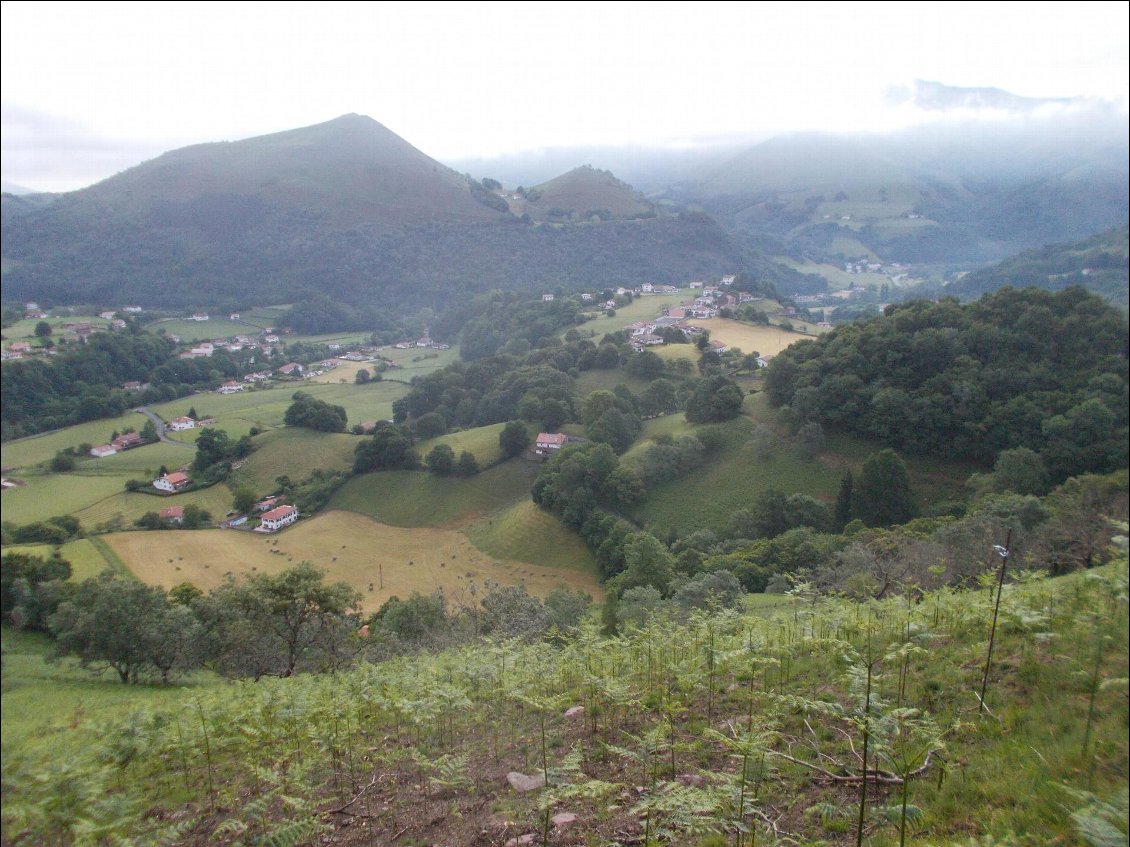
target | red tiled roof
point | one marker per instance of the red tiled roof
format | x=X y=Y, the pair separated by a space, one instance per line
x=552 y=438
x=279 y=513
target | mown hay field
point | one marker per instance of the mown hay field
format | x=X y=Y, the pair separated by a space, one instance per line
x=750 y=338
x=349 y=548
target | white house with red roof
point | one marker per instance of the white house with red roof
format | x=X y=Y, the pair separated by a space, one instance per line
x=172 y=514
x=231 y=387
x=548 y=442
x=276 y=519
x=103 y=451
x=172 y=482
x=182 y=423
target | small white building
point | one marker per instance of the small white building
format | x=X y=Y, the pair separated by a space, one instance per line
x=182 y=423
x=231 y=387
x=549 y=442
x=103 y=451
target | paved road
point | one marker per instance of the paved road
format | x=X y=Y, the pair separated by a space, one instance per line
x=160 y=426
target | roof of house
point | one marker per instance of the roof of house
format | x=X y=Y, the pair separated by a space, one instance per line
x=172 y=512
x=552 y=438
x=279 y=513
x=175 y=478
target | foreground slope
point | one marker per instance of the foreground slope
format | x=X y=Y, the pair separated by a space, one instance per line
x=710 y=729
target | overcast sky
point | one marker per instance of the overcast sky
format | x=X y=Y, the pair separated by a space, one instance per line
x=91 y=88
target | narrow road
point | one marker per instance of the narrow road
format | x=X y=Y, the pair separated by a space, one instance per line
x=160 y=427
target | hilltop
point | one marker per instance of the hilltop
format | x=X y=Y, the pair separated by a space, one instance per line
x=346 y=208
x=586 y=193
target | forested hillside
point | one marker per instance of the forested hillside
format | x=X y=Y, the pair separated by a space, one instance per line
x=1017 y=368
x=1100 y=264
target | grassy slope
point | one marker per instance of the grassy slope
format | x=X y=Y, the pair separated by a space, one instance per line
x=418 y=499
x=733 y=479
x=1000 y=780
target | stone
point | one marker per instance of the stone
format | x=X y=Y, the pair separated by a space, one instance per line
x=523 y=840
x=691 y=780
x=522 y=783
x=575 y=712
x=562 y=819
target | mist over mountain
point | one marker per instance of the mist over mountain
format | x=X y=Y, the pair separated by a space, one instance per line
x=990 y=174
x=346 y=208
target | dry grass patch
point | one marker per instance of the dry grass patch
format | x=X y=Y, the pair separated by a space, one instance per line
x=378 y=560
x=749 y=337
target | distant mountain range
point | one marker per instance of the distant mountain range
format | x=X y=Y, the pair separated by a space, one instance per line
x=992 y=174
x=349 y=209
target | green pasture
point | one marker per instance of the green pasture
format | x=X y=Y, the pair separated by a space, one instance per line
x=86 y=558
x=264 y=316
x=606 y=380
x=35 y=449
x=47 y=704
x=416 y=498
x=836 y=276
x=641 y=308
x=525 y=533
x=294 y=452
x=417 y=361
x=265 y=408
x=481 y=441
x=188 y=330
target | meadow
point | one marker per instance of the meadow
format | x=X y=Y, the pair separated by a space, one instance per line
x=189 y=330
x=265 y=408
x=418 y=499
x=378 y=560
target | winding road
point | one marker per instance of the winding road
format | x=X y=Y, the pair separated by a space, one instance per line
x=160 y=427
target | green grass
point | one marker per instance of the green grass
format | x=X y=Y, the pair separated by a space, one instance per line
x=25 y=452
x=481 y=441
x=734 y=477
x=639 y=309
x=186 y=330
x=294 y=452
x=416 y=361
x=528 y=534
x=415 y=498
x=265 y=408
x=45 y=703
x=86 y=555
x=605 y=380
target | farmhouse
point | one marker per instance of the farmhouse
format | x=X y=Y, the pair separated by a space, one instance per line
x=546 y=298
x=182 y=423
x=103 y=451
x=292 y=369
x=231 y=387
x=548 y=442
x=172 y=482
x=127 y=441
x=718 y=347
x=276 y=519
x=172 y=514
